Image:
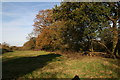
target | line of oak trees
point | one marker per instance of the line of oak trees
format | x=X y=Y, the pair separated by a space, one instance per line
x=79 y=26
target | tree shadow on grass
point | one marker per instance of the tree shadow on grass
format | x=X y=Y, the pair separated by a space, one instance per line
x=18 y=67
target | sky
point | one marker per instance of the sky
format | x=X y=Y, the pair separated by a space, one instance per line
x=17 y=20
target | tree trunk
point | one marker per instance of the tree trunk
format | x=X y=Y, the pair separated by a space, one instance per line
x=107 y=50
x=119 y=30
x=116 y=49
x=90 y=45
x=115 y=34
x=119 y=38
x=119 y=46
x=115 y=38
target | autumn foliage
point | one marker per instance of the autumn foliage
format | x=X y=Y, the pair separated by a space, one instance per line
x=78 y=27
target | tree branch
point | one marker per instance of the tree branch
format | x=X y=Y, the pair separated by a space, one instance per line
x=104 y=47
x=110 y=18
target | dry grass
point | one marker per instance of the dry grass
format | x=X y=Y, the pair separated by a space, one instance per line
x=40 y=64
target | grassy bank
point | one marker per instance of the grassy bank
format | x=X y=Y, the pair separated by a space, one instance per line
x=40 y=64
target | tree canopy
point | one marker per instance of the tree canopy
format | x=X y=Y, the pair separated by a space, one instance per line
x=78 y=26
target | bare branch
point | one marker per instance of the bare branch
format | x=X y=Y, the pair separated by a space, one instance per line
x=104 y=47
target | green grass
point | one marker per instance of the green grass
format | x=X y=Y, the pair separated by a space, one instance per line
x=40 y=64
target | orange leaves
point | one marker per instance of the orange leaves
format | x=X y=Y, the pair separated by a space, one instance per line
x=39 y=16
x=102 y=71
x=50 y=35
x=42 y=20
x=45 y=38
x=109 y=72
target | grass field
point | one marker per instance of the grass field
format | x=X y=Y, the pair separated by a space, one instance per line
x=40 y=64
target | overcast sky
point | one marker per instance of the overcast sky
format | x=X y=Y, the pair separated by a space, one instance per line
x=17 y=20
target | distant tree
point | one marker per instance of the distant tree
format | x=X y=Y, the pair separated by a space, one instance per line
x=6 y=47
x=0 y=45
x=31 y=35
x=15 y=48
x=30 y=45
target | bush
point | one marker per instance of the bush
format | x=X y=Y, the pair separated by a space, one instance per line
x=30 y=45
x=3 y=50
